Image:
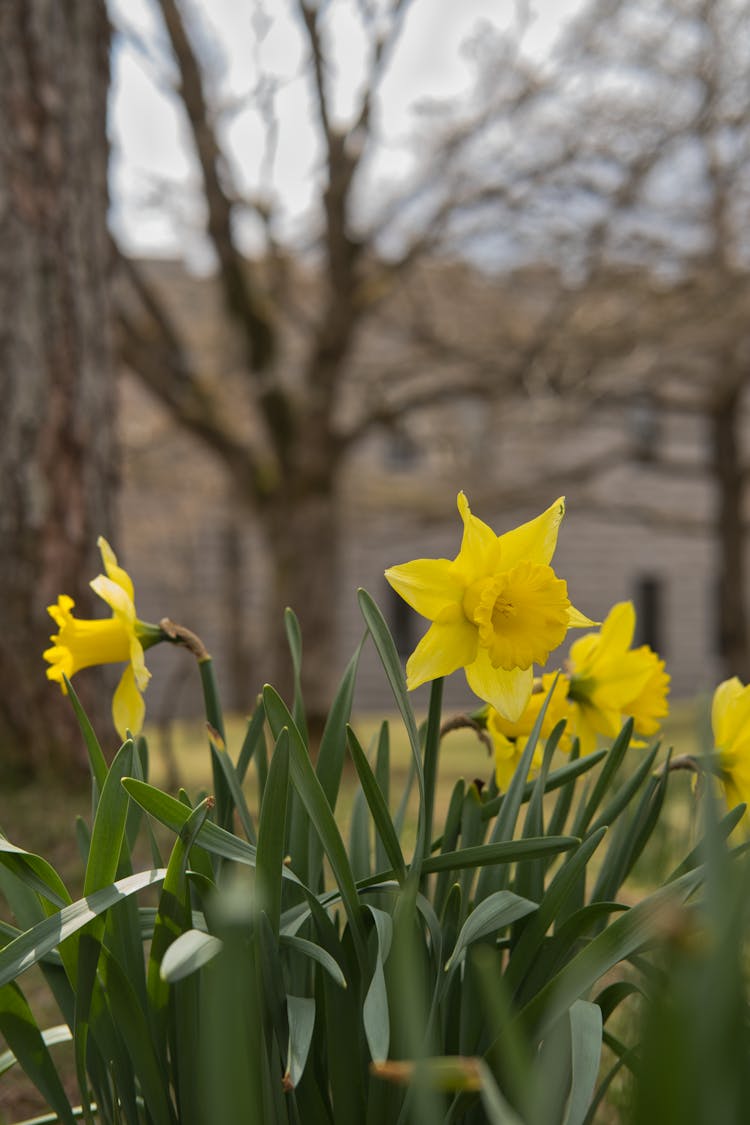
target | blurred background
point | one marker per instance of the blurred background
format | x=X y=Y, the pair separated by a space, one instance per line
x=280 y=278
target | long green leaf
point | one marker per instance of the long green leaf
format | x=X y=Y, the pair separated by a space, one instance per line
x=626 y=935
x=492 y=914
x=381 y=817
x=527 y=947
x=307 y=785
x=174 y=915
x=394 y=674
x=272 y=832
x=585 y=1050
x=35 y=872
x=510 y=851
x=315 y=953
x=97 y=761
x=301 y=1016
x=32 y=945
x=191 y=950
x=294 y=640
x=28 y=1046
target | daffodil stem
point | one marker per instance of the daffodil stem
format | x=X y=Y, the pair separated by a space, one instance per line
x=431 y=753
x=466 y=722
x=215 y=722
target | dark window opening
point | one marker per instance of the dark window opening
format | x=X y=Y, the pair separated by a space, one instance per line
x=649 y=609
x=403 y=625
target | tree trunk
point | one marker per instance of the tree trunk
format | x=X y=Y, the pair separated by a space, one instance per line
x=303 y=536
x=56 y=422
x=728 y=474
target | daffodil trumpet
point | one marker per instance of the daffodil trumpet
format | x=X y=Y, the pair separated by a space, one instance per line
x=495 y=610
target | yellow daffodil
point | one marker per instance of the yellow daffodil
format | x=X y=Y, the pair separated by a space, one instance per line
x=113 y=640
x=509 y=738
x=610 y=681
x=496 y=609
x=730 y=718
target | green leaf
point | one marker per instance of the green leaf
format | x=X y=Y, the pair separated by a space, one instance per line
x=498 y=1110
x=307 y=785
x=133 y=1027
x=301 y=1016
x=35 y=872
x=272 y=832
x=527 y=947
x=557 y=779
x=97 y=761
x=60 y=1033
x=220 y=758
x=492 y=914
x=490 y=879
x=189 y=951
x=509 y=852
x=626 y=935
x=375 y=1011
x=604 y=781
x=333 y=741
x=251 y=741
x=32 y=945
x=376 y=801
x=383 y=779
x=431 y=752
x=316 y=953
x=395 y=676
x=585 y=1049
x=29 y=1047
x=109 y=823
x=174 y=915
x=448 y=842
x=359 y=837
x=174 y=814
x=294 y=640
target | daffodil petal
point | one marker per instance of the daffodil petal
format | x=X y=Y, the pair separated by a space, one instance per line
x=113 y=571
x=138 y=664
x=428 y=585
x=442 y=650
x=507 y=690
x=616 y=635
x=578 y=620
x=128 y=708
x=479 y=546
x=585 y=730
x=115 y=597
x=535 y=540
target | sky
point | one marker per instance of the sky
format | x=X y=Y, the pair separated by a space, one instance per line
x=155 y=204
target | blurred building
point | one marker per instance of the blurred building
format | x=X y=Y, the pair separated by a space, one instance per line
x=630 y=532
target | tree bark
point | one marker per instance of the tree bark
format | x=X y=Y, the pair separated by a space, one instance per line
x=729 y=477
x=302 y=529
x=56 y=423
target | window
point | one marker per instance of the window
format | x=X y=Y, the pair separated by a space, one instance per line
x=402 y=624
x=649 y=609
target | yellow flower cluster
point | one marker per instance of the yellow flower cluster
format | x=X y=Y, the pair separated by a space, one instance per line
x=497 y=609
